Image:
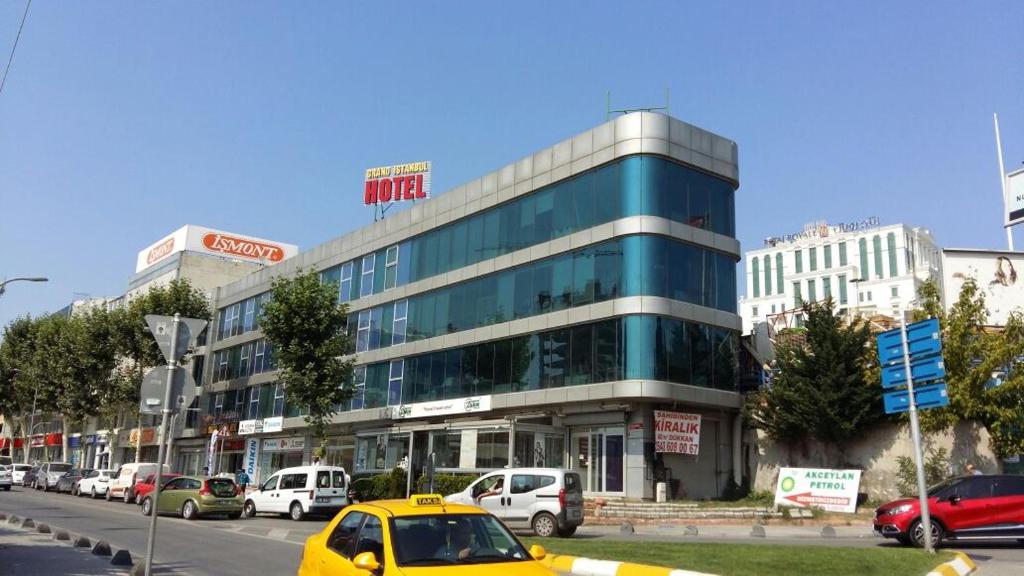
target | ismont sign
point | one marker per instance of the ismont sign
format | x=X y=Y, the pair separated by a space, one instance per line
x=203 y=240
x=387 y=184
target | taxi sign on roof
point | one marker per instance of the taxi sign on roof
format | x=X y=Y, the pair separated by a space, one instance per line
x=425 y=500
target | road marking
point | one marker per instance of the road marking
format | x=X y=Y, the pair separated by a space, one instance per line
x=277 y=534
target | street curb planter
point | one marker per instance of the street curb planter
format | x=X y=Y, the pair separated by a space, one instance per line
x=589 y=567
x=958 y=566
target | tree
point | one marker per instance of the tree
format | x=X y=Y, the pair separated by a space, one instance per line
x=16 y=387
x=305 y=324
x=822 y=391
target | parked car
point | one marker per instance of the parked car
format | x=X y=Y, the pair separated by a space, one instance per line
x=195 y=496
x=146 y=486
x=69 y=482
x=18 y=474
x=29 y=477
x=300 y=491
x=95 y=484
x=122 y=485
x=6 y=477
x=961 y=508
x=49 y=474
x=547 y=500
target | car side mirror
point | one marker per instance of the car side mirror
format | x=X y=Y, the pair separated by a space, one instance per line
x=538 y=552
x=954 y=499
x=366 y=561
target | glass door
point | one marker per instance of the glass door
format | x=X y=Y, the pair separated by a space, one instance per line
x=597 y=455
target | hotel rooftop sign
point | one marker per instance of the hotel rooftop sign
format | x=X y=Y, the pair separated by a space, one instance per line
x=397 y=183
x=822 y=230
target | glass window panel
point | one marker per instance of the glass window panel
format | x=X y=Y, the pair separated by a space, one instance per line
x=582 y=355
x=505 y=307
x=444 y=249
x=700 y=205
x=700 y=355
x=583 y=277
x=561 y=282
x=862 y=245
x=526 y=363
x=542 y=280
x=827 y=251
x=842 y=253
x=460 y=232
x=366 y=281
x=876 y=243
x=607 y=197
x=607 y=271
x=404 y=263
x=891 y=241
x=543 y=222
x=485 y=367
x=607 y=359
x=467 y=374
x=508 y=227
x=387 y=323
x=345 y=289
x=475 y=239
x=491 y=226
x=812 y=257
x=503 y=366
x=583 y=200
x=755 y=276
x=562 y=221
x=778 y=274
x=524 y=298
x=441 y=307
x=524 y=229
x=554 y=348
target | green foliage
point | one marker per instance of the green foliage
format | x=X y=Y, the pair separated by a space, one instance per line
x=17 y=351
x=306 y=326
x=936 y=469
x=445 y=484
x=822 y=391
x=381 y=487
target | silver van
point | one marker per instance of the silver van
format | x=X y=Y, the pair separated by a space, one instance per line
x=548 y=501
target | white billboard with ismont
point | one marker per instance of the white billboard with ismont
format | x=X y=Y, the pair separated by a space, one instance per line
x=215 y=242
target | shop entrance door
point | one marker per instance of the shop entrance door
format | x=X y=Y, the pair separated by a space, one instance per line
x=597 y=455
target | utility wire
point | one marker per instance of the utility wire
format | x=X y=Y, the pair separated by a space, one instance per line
x=15 y=47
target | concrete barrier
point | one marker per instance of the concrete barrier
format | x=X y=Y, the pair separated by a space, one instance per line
x=959 y=566
x=101 y=548
x=588 y=567
x=122 y=558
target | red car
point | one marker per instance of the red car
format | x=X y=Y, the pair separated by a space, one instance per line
x=962 y=508
x=146 y=486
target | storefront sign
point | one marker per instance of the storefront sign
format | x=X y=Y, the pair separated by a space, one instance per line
x=294 y=443
x=444 y=407
x=252 y=452
x=397 y=183
x=37 y=441
x=148 y=436
x=250 y=427
x=676 y=432
x=832 y=490
x=89 y=439
x=1015 y=198
x=822 y=230
x=275 y=424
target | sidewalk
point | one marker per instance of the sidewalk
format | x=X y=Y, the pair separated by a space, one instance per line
x=731 y=531
x=25 y=553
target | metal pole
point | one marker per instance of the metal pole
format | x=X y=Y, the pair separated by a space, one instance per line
x=915 y=432
x=1002 y=181
x=166 y=409
x=408 y=469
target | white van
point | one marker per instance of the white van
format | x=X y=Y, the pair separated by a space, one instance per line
x=300 y=491
x=548 y=501
x=122 y=484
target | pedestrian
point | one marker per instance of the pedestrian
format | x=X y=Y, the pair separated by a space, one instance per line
x=972 y=471
x=242 y=479
x=206 y=470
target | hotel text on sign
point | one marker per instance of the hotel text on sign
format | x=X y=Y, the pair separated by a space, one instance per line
x=676 y=432
x=397 y=183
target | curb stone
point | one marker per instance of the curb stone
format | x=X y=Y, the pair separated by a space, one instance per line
x=757 y=531
x=590 y=567
x=28 y=523
x=82 y=542
x=122 y=558
x=43 y=529
x=828 y=532
x=101 y=548
x=61 y=535
x=958 y=566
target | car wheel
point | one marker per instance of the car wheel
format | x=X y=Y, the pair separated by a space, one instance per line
x=905 y=540
x=544 y=525
x=92 y=493
x=127 y=496
x=189 y=511
x=296 y=512
x=249 y=510
x=567 y=531
x=917 y=534
x=108 y=496
x=147 y=507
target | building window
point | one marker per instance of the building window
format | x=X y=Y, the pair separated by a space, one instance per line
x=773 y=308
x=391 y=268
x=778 y=273
x=895 y=291
x=869 y=295
x=218 y=405
x=861 y=296
x=842 y=289
x=863 y=246
x=876 y=243
x=812 y=257
x=756 y=276
x=767 y=275
x=827 y=250
x=254 y=403
x=798 y=300
x=401 y=312
x=812 y=290
x=826 y=288
x=250 y=315
x=366 y=281
x=893 y=272
x=492 y=449
x=259 y=358
x=842 y=253
x=363 y=331
x=395 y=382
x=754 y=312
x=345 y=288
x=244 y=368
x=359 y=387
x=798 y=259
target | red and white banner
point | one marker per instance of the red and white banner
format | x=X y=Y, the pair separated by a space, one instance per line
x=676 y=432
x=216 y=242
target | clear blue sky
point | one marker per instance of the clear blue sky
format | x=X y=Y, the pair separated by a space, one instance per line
x=121 y=121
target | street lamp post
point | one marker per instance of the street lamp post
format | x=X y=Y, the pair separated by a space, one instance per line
x=3 y=285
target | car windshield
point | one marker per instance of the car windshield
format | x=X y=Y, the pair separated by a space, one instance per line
x=934 y=490
x=443 y=539
x=221 y=487
x=60 y=467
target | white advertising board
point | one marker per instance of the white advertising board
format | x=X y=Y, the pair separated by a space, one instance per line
x=444 y=407
x=996 y=274
x=216 y=242
x=832 y=490
x=676 y=432
x=252 y=452
x=284 y=444
x=1015 y=197
x=275 y=424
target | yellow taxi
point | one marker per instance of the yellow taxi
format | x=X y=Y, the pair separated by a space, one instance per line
x=419 y=536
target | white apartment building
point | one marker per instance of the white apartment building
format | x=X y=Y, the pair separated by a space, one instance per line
x=864 y=267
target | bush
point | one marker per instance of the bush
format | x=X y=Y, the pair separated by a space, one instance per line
x=936 y=469
x=381 y=486
x=446 y=484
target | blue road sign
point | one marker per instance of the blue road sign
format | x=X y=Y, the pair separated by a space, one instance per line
x=931 y=396
x=922 y=370
x=923 y=339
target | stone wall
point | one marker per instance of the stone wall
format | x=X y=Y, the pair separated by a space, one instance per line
x=875 y=453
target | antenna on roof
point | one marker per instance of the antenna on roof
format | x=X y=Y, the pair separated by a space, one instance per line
x=609 y=112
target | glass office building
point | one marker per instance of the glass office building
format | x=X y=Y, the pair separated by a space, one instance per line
x=536 y=316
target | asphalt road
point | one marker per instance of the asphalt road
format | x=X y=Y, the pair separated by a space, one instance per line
x=273 y=545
